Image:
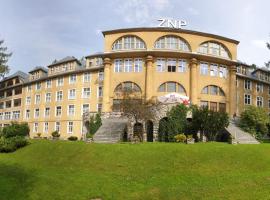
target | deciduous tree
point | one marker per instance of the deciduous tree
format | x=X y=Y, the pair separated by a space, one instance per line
x=4 y=56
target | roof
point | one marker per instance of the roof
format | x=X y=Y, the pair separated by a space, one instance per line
x=19 y=74
x=39 y=68
x=262 y=69
x=65 y=60
x=165 y=29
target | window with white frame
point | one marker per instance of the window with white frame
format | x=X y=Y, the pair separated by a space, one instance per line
x=37 y=99
x=171 y=65
x=128 y=64
x=46 y=127
x=86 y=77
x=35 y=129
x=128 y=42
x=72 y=94
x=29 y=88
x=70 y=127
x=247 y=84
x=99 y=107
x=47 y=112
x=58 y=111
x=100 y=91
x=36 y=112
x=28 y=100
x=259 y=87
x=204 y=68
x=48 y=97
x=27 y=114
x=86 y=93
x=118 y=65
x=7 y=115
x=161 y=63
x=247 y=99
x=101 y=75
x=213 y=70
x=1 y=116
x=85 y=108
x=138 y=65
x=71 y=110
x=260 y=101
x=38 y=86
x=182 y=65
x=60 y=81
x=59 y=96
x=48 y=83
x=72 y=78
x=57 y=126
x=223 y=71
x=16 y=115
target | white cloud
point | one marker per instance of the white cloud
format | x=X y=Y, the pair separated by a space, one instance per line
x=140 y=11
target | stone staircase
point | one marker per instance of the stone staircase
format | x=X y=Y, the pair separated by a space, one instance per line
x=111 y=131
x=241 y=137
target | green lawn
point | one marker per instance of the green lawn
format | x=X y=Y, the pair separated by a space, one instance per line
x=76 y=170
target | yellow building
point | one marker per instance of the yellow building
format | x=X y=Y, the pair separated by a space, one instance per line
x=152 y=61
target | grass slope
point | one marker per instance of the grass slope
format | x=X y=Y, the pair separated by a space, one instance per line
x=76 y=170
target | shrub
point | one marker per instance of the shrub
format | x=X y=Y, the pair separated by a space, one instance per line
x=38 y=134
x=180 y=138
x=12 y=143
x=73 y=138
x=89 y=135
x=94 y=123
x=15 y=129
x=55 y=134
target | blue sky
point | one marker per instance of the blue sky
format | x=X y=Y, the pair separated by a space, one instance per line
x=40 y=31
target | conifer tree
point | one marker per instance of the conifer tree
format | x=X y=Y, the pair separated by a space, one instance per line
x=4 y=56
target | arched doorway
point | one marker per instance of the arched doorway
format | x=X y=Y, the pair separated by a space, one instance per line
x=138 y=130
x=163 y=130
x=149 y=131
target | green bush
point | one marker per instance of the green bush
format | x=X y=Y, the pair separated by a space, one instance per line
x=94 y=123
x=16 y=129
x=73 y=138
x=11 y=144
x=89 y=135
x=180 y=138
x=55 y=134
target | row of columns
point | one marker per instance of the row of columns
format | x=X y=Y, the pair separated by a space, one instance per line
x=193 y=94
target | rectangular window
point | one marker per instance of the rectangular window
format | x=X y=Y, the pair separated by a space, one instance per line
x=60 y=81
x=171 y=64
x=161 y=65
x=7 y=115
x=37 y=99
x=182 y=65
x=46 y=127
x=247 y=84
x=259 y=87
x=128 y=64
x=48 y=97
x=101 y=75
x=58 y=111
x=222 y=107
x=37 y=113
x=100 y=91
x=85 y=108
x=48 y=83
x=47 y=112
x=99 y=107
x=27 y=114
x=204 y=104
x=1 y=116
x=38 y=86
x=223 y=71
x=28 y=100
x=213 y=106
x=35 y=129
x=59 y=96
x=57 y=126
x=204 y=68
x=247 y=99
x=86 y=77
x=260 y=101
x=138 y=65
x=71 y=110
x=16 y=115
x=72 y=78
x=72 y=94
x=213 y=70
x=86 y=93
x=70 y=127
x=118 y=65
x=29 y=88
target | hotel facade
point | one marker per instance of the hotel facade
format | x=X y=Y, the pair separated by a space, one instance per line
x=154 y=62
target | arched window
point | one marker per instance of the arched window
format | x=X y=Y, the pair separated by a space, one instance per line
x=127 y=87
x=172 y=42
x=214 y=48
x=172 y=87
x=128 y=42
x=213 y=90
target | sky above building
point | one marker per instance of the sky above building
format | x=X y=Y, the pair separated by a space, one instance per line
x=40 y=31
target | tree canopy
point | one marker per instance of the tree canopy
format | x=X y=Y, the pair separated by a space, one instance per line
x=4 y=56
